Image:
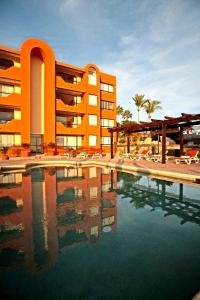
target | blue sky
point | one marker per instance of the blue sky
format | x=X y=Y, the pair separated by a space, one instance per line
x=152 y=46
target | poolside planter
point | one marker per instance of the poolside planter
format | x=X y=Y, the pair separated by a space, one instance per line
x=50 y=151
x=24 y=152
x=13 y=152
x=3 y=155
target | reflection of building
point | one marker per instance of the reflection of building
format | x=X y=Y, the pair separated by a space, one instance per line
x=53 y=208
x=46 y=101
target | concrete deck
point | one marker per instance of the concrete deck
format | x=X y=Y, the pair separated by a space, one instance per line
x=170 y=170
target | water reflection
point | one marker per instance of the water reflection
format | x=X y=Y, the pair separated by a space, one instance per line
x=49 y=209
x=145 y=191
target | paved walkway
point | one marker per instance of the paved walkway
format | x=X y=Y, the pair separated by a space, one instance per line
x=170 y=166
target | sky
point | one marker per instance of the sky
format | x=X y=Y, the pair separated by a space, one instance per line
x=151 y=46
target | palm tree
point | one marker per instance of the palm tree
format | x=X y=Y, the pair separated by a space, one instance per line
x=139 y=103
x=150 y=107
x=126 y=115
x=119 y=110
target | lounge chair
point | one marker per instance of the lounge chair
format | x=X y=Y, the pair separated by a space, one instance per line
x=97 y=155
x=66 y=155
x=144 y=154
x=125 y=156
x=158 y=157
x=82 y=155
x=191 y=155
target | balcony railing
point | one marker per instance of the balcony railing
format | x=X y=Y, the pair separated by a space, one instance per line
x=77 y=87
x=14 y=100
x=76 y=129
x=13 y=73
x=11 y=126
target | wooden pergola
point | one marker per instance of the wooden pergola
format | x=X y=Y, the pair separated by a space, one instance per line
x=158 y=127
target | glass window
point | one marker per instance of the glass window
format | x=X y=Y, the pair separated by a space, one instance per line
x=93 y=192
x=110 y=88
x=92 y=140
x=93 y=120
x=69 y=141
x=106 y=87
x=107 y=123
x=17 y=114
x=6 y=140
x=107 y=105
x=92 y=172
x=105 y=140
x=92 y=100
x=108 y=221
x=77 y=100
x=6 y=90
x=111 y=123
x=92 y=76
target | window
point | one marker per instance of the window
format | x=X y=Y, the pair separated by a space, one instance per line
x=92 y=76
x=93 y=120
x=6 y=140
x=92 y=100
x=77 y=100
x=108 y=221
x=107 y=123
x=107 y=105
x=105 y=140
x=92 y=140
x=6 y=90
x=11 y=178
x=69 y=121
x=77 y=80
x=69 y=141
x=105 y=171
x=92 y=172
x=93 y=192
x=6 y=116
x=108 y=88
x=17 y=114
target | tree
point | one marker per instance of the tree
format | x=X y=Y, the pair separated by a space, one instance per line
x=126 y=115
x=139 y=103
x=151 y=106
x=119 y=110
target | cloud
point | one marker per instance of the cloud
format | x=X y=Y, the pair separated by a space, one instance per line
x=162 y=61
x=68 y=5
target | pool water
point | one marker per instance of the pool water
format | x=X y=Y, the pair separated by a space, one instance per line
x=96 y=233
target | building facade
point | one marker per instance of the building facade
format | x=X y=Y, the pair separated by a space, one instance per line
x=44 y=101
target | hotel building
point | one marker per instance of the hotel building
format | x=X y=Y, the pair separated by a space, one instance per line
x=44 y=101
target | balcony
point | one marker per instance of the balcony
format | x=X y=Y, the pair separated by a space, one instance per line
x=10 y=126
x=71 y=129
x=13 y=73
x=66 y=84
x=108 y=96
x=62 y=106
x=13 y=100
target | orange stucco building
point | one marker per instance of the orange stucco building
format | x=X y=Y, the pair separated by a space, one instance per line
x=44 y=101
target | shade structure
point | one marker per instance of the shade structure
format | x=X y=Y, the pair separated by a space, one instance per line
x=159 y=126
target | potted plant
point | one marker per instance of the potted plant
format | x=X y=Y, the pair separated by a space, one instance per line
x=3 y=154
x=51 y=149
x=25 y=150
x=13 y=151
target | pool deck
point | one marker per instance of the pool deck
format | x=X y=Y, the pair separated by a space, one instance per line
x=182 y=172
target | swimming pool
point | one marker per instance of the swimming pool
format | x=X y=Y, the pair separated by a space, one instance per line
x=97 y=233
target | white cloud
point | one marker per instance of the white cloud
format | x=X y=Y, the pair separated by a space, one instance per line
x=68 y=5
x=162 y=62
